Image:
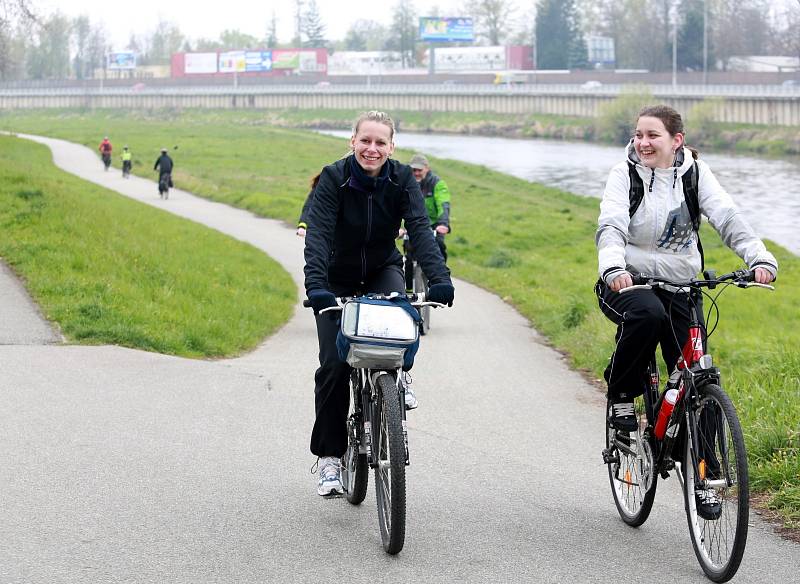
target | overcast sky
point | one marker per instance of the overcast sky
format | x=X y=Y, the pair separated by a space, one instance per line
x=208 y=18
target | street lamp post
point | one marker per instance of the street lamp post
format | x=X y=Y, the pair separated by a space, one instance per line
x=674 y=17
x=705 y=42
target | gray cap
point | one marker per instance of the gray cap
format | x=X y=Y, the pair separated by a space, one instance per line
x=418 y=161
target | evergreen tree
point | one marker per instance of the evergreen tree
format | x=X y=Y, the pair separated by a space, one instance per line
x=690 y=35
x=403 y=33
x=313 y=27
x=81 y=29
x=272 y=33
x=553 y=34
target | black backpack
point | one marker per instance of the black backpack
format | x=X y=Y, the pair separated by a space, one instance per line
x=690 y=193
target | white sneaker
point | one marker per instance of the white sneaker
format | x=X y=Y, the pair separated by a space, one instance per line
x=410 y=396
x=330 y=477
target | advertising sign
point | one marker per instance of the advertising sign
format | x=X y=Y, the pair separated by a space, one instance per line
x=125 y=60
x=258 y=61
x=285 y=59
x=232 y=62
x=200 y=63
x=435 y=29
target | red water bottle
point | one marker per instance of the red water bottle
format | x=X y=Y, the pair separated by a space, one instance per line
x=664 y=413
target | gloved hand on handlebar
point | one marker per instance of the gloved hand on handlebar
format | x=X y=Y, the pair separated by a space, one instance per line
x=441 y=293
x=321 y=299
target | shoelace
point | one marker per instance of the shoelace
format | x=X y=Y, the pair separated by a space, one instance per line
x=624 y=409
x=330 y=470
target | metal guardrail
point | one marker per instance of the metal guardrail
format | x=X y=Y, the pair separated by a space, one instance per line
x=737 y=91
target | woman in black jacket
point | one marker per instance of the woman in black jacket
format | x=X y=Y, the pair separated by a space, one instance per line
x=350 y=249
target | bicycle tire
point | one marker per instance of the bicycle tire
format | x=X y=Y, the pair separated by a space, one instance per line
x=718 y=543
x=355 y=473
x=633 y=478
x=390 y=469
x=421 y=285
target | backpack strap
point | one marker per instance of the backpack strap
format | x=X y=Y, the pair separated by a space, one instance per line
x=692 y=196
x=636 y=192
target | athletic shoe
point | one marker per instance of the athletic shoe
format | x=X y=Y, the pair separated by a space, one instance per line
x=623 y=416
x=410 y=396
x=330 y=477
x=709 y=507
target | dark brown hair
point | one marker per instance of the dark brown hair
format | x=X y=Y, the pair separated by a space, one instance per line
x=670 y=118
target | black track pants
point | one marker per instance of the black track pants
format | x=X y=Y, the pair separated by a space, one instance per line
x=332 y=387
x=644 y=319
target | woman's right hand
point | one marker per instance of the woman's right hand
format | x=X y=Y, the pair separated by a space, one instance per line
x=620 y=282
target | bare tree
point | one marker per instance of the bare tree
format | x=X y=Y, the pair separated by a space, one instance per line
x=13 y=14
x=492 y=19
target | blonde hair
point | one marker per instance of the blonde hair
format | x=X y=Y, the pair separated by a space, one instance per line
x=375 y=116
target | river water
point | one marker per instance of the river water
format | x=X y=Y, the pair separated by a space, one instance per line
x=767 y=190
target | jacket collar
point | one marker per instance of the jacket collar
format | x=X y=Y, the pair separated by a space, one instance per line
x=359 y=180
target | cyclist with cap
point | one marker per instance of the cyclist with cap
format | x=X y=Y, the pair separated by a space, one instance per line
x=437 y=203
x=164 y=167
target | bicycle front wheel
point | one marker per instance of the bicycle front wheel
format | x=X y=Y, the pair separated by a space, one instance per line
x=354 y=462
x=632 y=472
x=715 y=485
x=421 y=285
x=390 y=464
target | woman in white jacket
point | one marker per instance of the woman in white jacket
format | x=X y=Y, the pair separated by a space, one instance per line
x=659 y=239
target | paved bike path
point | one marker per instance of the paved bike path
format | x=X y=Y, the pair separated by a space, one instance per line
x=122 y=465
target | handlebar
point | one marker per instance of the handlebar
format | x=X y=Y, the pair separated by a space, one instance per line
x=739 y=278
x=416 y=299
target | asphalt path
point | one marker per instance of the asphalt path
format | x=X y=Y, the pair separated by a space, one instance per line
x=119 y=465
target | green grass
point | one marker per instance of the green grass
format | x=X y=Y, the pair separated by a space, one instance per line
x=532 y=245
x=110 y=270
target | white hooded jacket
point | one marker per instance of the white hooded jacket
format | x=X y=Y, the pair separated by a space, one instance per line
x=659 y=240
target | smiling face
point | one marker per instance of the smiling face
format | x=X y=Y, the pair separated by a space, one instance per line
x=372 y=145
x=654 y=144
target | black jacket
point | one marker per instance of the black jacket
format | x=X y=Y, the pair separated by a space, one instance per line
x=352 y=227
x=165 y=164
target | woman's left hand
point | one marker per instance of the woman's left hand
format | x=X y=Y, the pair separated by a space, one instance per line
x=763 y=276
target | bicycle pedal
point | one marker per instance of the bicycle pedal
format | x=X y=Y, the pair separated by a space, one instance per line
x=610 y=456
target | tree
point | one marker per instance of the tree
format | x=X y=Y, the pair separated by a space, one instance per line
x=313 y=27
x=690 y=35
x=15 y=15
x=236 y=39
x=272 y=32
x=365 y=35
x=81 y=29
x=559 y=40
x=48 y=58
x=491 y=19
x=403 y=33
x=97 y=49
x=165 y=40
x=297 y=40
x=741 y=27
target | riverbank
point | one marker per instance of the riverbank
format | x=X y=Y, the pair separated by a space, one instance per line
x=718 y=137
x=505 y=230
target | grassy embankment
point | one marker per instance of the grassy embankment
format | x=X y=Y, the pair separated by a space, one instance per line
x=109 y=270
x=530 y=244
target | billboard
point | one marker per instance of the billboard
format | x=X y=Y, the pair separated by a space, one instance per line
x=258 y=61
x=435 y=29
x=124 y=60
x=200 y=63
x=232 y=62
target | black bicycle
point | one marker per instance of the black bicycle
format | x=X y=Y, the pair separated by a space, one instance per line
x=164 y=182
x=379 y=335
x=700 y=439
x=416 y=281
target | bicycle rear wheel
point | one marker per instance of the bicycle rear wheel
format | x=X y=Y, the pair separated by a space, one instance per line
x=390 y=469
x=421 y=285
x=354 y=462
x=718 y=463
x=632 y=474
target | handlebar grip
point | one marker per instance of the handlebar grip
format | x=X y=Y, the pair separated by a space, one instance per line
x=306 y=303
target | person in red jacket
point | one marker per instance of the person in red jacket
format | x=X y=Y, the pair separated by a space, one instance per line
x=105 y=149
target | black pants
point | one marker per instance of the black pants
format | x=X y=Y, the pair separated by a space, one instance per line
x=332 y=387
x=644 y=319
x=408 y=251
